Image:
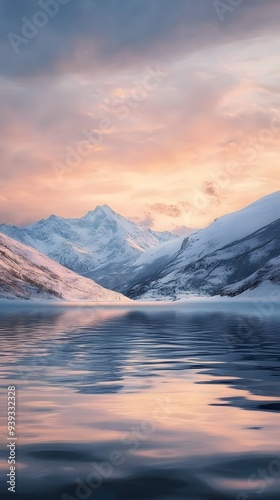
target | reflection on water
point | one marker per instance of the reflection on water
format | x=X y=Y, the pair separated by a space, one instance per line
x=116 y=403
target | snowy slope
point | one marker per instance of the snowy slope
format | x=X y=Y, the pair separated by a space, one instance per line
x=27 y=274
x=265 y=280
x=233 y=227
x=150 y=263
x=99 y=245
x=229 y=250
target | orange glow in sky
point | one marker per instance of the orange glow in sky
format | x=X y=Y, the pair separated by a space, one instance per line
x=170 y=129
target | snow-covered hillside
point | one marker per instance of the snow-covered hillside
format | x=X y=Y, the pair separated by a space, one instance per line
x=264 y=281
x=150 y=263
x=229 y=250
x=27 y=274
x=99 y=245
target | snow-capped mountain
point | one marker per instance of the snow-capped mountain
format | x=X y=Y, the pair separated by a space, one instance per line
x=27 y=274
x=228 y=251
x=99 y=245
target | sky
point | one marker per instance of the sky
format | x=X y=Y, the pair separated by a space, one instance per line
x=166 y=110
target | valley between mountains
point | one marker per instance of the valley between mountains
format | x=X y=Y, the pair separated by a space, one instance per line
x=105 y=257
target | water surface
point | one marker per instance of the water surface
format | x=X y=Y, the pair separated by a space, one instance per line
x=145 y=404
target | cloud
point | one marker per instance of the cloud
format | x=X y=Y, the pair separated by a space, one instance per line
x=182 y=230
x=164 y=209
x=117 y=34
x=220 y=92
x=211 y=189
x=146 y=222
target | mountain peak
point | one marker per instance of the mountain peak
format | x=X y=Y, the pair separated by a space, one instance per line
x=53 y=217
x=92 y=244
x=43 y=222
x=106 y=209
x=101 y=209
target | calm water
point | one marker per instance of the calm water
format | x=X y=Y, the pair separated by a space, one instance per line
x=122 y=404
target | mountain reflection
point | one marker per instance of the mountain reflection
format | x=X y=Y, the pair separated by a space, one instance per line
x=105 y=345
x=188 y=398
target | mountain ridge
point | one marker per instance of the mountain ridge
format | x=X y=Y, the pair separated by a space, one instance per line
x=112 y=250
x=97 y=245
x=26 y=274
x=213 y=258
